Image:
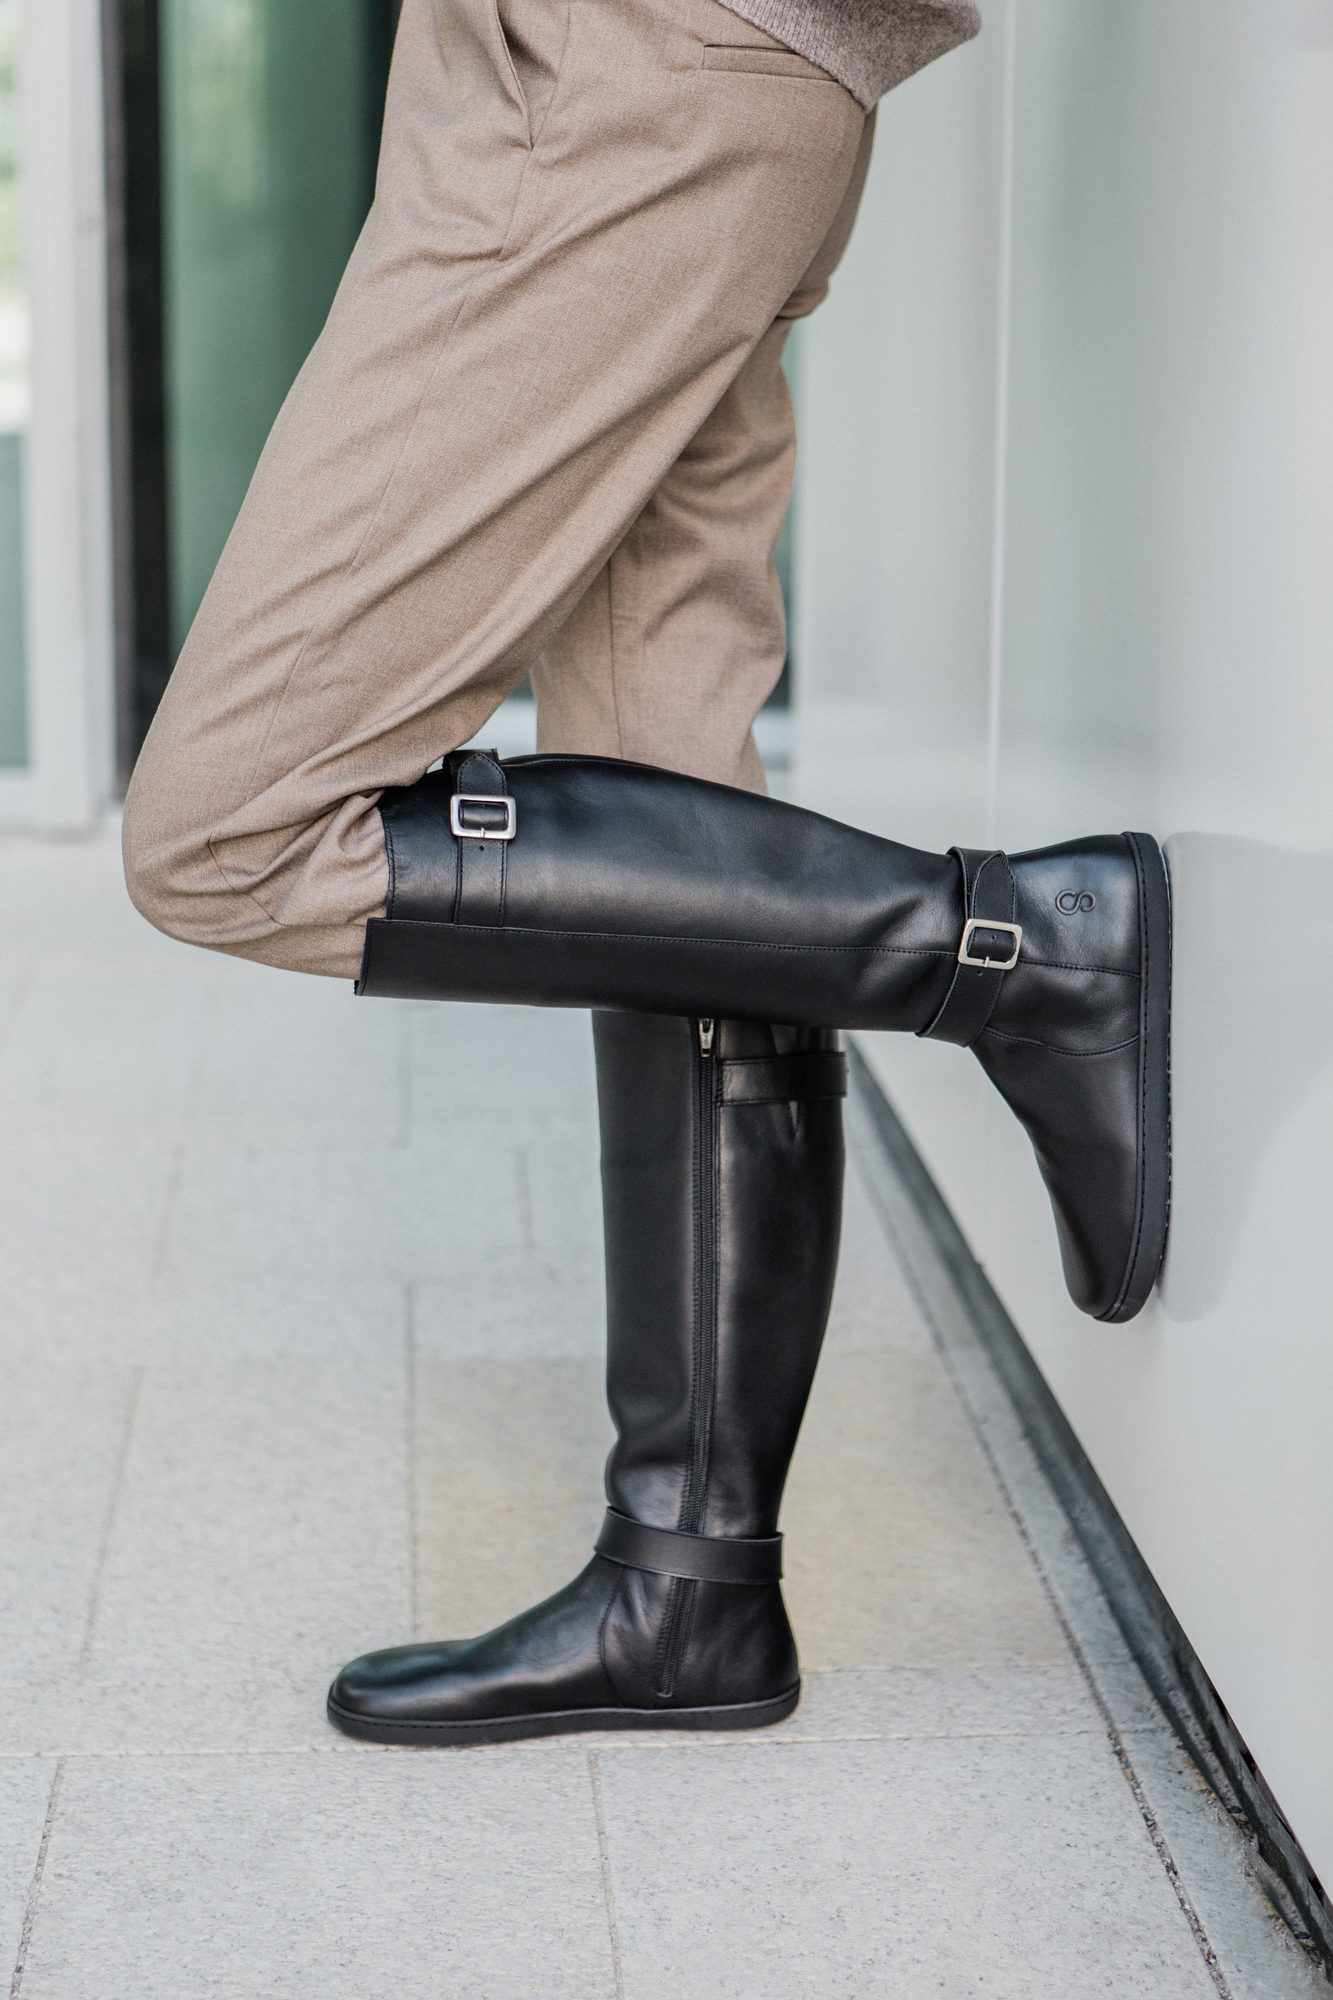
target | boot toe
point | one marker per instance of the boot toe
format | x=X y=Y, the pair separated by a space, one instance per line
x=398 y=1684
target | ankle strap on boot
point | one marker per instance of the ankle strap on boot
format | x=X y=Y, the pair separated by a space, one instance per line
x=989 y=947
x=704 y=1558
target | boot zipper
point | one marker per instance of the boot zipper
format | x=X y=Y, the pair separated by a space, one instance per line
x=705 y=1238
x=680 y=1603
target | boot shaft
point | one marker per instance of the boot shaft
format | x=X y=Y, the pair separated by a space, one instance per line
x=722 y=1166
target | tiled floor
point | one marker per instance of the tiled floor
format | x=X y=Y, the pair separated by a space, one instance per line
x=300 y=1301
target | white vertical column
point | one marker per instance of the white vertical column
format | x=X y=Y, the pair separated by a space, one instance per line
x=67 y=486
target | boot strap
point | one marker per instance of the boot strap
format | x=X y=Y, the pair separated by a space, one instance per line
x=793 y=1079
x=704 y=1558
x=482 y=819
x=990 y=897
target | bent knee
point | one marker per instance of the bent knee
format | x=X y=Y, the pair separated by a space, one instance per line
x=172 y=876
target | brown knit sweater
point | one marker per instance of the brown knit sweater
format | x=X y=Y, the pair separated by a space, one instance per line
x=869 y=45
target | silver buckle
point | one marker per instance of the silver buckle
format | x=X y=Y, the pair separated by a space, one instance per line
x=989 y=924
x=505 y=832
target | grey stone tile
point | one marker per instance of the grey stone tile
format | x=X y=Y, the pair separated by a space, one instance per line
x=281 y=1323
x=509 y=1486
x=97 y=1055
x=1018 y=1868
x=70 y=1316
x=356 y=1213
x=872 y=1304
x=174 y=1715
x=529 y=1063
x=61 y=1436
x=998 y=1700
x=344 y=1877
x=166 y=1714
x=63 y=1210
x=1258 y=1954
x=1127 y=1695
x=560 y=1168
x=293 y=1063
x=263 y=1522
x=530 y=1307
x=25 y=1791
x=898 y=1550
x=70 y=898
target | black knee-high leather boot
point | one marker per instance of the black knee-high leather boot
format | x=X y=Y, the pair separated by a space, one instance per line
x=722 y=1162
x=576 y=881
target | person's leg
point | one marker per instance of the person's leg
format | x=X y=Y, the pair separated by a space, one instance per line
x=582 y=230
x=679 y=641
x=722 y=1165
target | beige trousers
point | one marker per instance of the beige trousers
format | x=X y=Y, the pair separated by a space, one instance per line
x=545 y=430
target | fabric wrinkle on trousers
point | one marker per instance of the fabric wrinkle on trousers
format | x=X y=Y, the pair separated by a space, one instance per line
x=545 y=430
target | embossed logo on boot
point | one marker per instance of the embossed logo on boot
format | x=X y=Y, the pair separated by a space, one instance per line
x=1075 y=902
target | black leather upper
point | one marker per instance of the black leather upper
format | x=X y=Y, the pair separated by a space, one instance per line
x=632 y=888
x=722 y=1165
x=628 y=886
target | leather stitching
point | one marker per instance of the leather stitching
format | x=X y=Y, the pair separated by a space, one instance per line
x=713 y=944
x=389 y=856
x=1051 y=1048
x=1065 y=965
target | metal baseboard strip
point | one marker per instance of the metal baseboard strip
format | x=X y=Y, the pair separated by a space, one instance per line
x=1151 y=1629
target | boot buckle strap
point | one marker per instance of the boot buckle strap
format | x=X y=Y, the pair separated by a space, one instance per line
x=482 y=822
x=983 y=959
x=701 y=1558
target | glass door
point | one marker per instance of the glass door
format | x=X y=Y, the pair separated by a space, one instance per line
x=250 y=132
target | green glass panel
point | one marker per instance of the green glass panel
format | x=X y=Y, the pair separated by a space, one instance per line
x=13 y=406
x=265 y=120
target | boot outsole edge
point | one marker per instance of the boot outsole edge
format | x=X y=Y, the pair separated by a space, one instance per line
x=1154 y=1137
x=514 y=1728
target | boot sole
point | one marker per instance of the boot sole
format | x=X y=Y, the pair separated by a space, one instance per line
x=1153 y=1201
x=561 y=1722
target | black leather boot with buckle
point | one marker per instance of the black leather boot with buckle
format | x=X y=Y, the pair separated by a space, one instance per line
x=722 y=1164
x=582 y=882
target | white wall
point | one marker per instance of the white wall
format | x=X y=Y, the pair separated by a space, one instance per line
x=1162 y=657
x=66 y=474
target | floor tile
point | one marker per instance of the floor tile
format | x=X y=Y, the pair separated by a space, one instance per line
x=991 y=1700
x=95 y=1058
x=1013 y=1868
x=873 y=1306
x=1259 y=1956
x=165 y=1712
x=354 y=1212
x=77 y=1315
x=25 y=1793
x=344 y=1878
x=61 y=1209
x=263 y=1522
x=515 y=1309
x=509 y=1485
x=293 y=1063
x=929 y=1570
x=62 y=1434
x=494 y=1063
